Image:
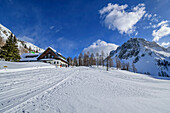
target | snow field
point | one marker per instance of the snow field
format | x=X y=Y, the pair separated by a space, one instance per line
x=82 y=90
x=22 y=66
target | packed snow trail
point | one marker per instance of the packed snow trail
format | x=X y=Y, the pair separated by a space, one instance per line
x=20 y=86
x=82 y=90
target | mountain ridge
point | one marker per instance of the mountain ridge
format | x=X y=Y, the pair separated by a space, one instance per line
x=23 y=46
x=148 y=57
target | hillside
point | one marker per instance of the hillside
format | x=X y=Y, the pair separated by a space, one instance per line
x=24 y=47
x=148 y=57
x=81 y=90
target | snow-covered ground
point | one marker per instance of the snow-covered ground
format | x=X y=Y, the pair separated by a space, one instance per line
x=22 y=66
x=82 y=90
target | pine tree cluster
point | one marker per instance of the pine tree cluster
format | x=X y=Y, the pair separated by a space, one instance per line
x=10 y=51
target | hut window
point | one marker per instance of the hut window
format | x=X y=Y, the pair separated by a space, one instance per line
x=49 y=55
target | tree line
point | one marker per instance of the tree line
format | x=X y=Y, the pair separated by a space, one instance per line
x=124 y=66
x=88 y=59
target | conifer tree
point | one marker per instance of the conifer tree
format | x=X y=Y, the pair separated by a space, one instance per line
x=10 y=50
x=25 y=46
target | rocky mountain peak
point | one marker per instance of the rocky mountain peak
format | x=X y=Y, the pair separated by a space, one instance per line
x=23 y=46
x=146 y=56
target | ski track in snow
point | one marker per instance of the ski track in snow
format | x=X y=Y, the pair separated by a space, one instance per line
x=23 y=88
x=82 y=90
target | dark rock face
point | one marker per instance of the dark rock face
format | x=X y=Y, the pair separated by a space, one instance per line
x=128 y=49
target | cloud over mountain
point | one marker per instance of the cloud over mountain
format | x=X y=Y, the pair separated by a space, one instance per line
x=165 y=44
x=164 y=30
x=99 y=46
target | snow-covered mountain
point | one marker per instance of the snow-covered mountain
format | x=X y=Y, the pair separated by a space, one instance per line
x=23 y=46
x=99 y=46
x=148 y=57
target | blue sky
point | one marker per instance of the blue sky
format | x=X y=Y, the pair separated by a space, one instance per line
x=69 y=26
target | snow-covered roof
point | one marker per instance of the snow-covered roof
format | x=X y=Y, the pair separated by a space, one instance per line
x=34 y=56
x=52 y=49
x=47 y=59
x=24 y=56
x=59 y=53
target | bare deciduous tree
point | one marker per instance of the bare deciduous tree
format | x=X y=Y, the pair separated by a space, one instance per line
x=69 y=60
x=110 y=62
x=97 y=56
x=118 y=63
x=133 y=68
x=123 y=66
x=80 y=59
x=102 y=58
x=75 y=61
x=127 y=66
x=91 y=59
x=85 y=60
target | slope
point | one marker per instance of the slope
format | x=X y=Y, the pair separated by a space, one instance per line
x=82 y=90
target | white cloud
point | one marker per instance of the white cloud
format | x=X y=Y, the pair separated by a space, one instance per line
x=99 y=46
x=27 y=39
x=165 y=44
x=163 y=23
x=154 y=26
x=154 y=19
x=164 y=30
x=148 y=16
x=115 y=17
x=60 y=38
x=136 y=33
x=52 y=27
x=155 y=15
x=57 y=30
